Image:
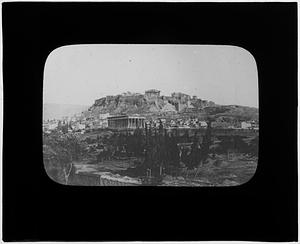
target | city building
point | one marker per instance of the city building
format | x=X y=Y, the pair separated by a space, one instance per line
x=246 y=125
x=179 y=96
x=103 y=120
x=79 y=127
x=202 y=124
x=103 y=116
x=152 y=94
x=220 y=124
x=50 y=125
x=126 y=122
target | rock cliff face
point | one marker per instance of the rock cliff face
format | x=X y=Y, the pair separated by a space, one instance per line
x=134 y=104
x=139 y=104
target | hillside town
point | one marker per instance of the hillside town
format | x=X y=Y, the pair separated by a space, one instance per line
x=177 y=111
x=82 y=125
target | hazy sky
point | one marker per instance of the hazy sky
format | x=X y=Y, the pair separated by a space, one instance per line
x=80 y=74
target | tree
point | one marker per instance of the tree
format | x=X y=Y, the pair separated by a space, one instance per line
x=60 y=150
x=206 y=142
x=253 y=146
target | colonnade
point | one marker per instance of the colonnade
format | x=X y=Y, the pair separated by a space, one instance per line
x=126 y=122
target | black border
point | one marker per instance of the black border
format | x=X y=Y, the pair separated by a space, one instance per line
x=37 y=209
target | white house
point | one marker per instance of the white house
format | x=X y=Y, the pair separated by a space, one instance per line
x=246 y=125
x=202 y=124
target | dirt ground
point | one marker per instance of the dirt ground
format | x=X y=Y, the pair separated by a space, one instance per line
x=223 y=173
x=220 y=171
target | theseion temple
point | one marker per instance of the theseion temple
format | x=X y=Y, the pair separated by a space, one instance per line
x=126 y=122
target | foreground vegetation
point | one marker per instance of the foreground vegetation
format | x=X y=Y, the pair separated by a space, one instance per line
x=156 y=154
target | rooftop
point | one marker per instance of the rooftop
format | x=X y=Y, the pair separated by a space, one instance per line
x=126 y=116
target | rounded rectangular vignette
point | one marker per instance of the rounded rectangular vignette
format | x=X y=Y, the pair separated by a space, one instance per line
x=160 y=115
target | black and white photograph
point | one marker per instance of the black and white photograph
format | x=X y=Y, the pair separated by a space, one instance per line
x=163 y=115
x=161 y=121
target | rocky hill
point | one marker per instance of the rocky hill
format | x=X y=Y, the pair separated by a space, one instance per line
x=233 y=112
x=139 y=104
x=119 y=104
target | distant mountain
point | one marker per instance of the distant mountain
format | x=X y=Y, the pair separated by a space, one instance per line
x=57 y=111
